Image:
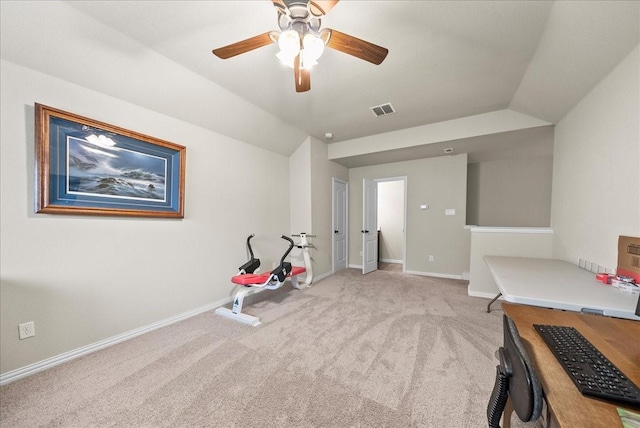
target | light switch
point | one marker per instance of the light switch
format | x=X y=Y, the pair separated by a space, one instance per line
x=450 y=211
x=424 y=207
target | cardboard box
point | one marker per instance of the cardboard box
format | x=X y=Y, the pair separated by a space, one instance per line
x=629 y=257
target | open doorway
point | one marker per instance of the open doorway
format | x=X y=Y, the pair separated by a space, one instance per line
x=391 y=209
x=391 y=227
x=384 y=223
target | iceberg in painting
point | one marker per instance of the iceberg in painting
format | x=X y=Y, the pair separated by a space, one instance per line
x=115 y=172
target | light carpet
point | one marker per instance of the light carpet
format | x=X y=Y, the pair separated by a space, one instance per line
x=379 y=350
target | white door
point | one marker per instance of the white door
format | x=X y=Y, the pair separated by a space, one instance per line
x=370 y=226
x=339 y=225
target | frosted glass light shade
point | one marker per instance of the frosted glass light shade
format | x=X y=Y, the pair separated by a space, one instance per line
x=313 y=46
x=289 y=43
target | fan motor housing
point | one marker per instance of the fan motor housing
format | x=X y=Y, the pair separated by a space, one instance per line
x=298 y=17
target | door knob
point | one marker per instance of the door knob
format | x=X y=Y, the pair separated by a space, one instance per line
x=364 y=231
x=335 y=231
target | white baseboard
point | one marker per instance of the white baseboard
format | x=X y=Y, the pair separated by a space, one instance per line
x=321 y=277
x=466 y=276
x=391 y=261
x=355 y=266
x=484 y=294
x=79 y=352
x=433 y=274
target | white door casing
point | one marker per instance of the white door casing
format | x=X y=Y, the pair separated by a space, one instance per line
x=369 y=226
x=339 y=224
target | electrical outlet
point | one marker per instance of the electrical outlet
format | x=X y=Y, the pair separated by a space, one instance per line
x=430 y=258
x=27 y=329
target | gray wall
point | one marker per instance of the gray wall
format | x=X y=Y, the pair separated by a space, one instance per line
x=439 y=182
x=513 y=192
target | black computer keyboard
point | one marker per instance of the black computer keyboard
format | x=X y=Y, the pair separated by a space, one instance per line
x=589 y=370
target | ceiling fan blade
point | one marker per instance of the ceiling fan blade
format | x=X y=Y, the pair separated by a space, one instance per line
x=302 y=76
x=321 y=7
x=357 y=47
x=243 y=46
x=279 y=4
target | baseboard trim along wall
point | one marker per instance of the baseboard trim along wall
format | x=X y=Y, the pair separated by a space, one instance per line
x=391 y=261
x=79 y=352
x=34 y=368
x=482 y=294
x=434 y=274
x=415 y=272
x=321 y=277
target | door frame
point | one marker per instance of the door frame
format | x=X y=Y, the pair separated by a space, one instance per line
x=335 y=180
x=405 y=181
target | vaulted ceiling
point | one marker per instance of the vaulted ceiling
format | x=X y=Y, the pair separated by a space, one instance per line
x=447 y=60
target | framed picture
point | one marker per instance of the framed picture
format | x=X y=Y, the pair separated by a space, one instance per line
x=88 y=167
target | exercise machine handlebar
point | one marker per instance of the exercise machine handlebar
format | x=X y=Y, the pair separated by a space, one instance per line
x=249 y=245
x=253 y=264
x=304 y=244
x=291 y=245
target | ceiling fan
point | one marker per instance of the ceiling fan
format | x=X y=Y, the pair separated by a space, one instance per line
x=302 y=41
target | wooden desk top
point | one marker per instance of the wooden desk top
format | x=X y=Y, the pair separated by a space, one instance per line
x=617 y=339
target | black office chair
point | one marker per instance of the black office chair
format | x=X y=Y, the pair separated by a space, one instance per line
x=515 y=379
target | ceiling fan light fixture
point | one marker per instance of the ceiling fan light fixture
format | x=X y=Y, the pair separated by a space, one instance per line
x=313 y=46
x=289 y=43
x=302 y=40
x=286 y=59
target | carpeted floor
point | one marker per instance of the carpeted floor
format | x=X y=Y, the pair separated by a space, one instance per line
x=381 y=350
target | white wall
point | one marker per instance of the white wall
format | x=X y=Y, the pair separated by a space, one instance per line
x=511 y=192
x=391 y=220
x=84 y=279
x=300 y=183
x=439 y=182
x=596 y=185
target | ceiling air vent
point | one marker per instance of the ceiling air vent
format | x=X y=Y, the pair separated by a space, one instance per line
x=382 y=110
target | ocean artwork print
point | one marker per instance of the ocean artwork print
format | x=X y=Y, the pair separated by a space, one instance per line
x=87 y=167
x=109 y=171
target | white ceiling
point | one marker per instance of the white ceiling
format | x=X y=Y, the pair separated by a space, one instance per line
x=447 y=60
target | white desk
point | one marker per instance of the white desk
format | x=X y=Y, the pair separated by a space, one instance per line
x=558 y=284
